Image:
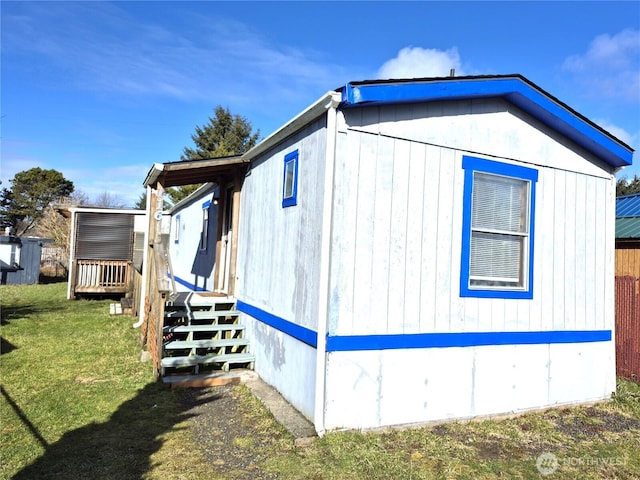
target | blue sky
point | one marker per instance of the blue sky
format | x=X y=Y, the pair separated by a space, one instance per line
x=101 y=90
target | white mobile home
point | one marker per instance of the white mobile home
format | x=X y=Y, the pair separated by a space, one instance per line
x=407 y=251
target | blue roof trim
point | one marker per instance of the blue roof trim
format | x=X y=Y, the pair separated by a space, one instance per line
x=514 y=89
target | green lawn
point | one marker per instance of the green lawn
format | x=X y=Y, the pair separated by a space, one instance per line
x=77 y=403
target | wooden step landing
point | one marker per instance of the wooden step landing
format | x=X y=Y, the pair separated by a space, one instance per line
x=200 y=381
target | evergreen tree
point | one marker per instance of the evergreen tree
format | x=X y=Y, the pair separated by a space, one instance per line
x=31 y=192
x=624 y=186
x=224 y=135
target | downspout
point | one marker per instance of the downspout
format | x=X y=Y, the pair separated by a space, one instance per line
x=145 y=262
x=325 y=264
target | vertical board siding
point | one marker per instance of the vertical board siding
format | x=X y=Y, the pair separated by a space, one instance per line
x=184 y=246
x=396 y=237
x=364 y=222
x=278 y=261
x=600 y=278
x=559 y=243
x=379 y=294
x=399 y=233
x=429 y=227
x=590 y=225
x=413 y=255
x=344 y=240
x=569 y=252
x=450 y=194
x=628 y=259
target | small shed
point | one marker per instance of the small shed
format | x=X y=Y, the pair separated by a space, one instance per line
x=106 y=248
x=28 y=272
x=408 y=251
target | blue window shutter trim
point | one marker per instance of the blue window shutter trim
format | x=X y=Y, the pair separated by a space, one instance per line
x=352 y=343
x=294 y=330
x=471 y=165
x=290 y=200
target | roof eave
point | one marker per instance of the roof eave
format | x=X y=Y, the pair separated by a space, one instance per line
x=514 y=88
x=329 y=100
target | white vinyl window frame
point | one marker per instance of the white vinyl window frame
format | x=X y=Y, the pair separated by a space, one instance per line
x=497 y=229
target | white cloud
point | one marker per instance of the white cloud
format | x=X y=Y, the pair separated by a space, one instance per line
x=416 y=62
x=618 y=132
x=610 y=67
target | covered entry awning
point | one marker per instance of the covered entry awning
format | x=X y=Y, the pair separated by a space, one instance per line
x=189 y=172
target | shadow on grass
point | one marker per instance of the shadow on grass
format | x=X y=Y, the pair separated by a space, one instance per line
x=6 y=346
x=119 y=448
x=22 y=312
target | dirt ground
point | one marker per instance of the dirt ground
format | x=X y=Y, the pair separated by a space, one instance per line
x=236 y=446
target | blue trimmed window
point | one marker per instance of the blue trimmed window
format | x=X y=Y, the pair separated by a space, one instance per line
x=290 y=182
x=177 y=229
x=497 y=229
x=204 y=234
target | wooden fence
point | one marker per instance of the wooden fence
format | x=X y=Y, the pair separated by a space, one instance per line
x=627 y=330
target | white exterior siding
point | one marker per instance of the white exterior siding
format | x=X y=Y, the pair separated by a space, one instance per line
x=490 y=126
x=397 y=239
x=284 y=362
x=395 y=269
x=193 y=268
x=279 y=263
x=371 y=389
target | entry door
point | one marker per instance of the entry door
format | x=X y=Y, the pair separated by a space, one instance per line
x=226 y=241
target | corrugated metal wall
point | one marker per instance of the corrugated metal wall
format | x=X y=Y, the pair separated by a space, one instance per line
x=628 y=328
x=104 y=236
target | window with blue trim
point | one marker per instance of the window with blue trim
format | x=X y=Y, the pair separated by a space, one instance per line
x=177 y=229
x=204 y=234
x=290 y=182
x=497 y=229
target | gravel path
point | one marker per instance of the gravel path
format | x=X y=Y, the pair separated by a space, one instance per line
x=233 y=440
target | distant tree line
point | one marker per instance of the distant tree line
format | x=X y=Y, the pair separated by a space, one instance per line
x=624 y=186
